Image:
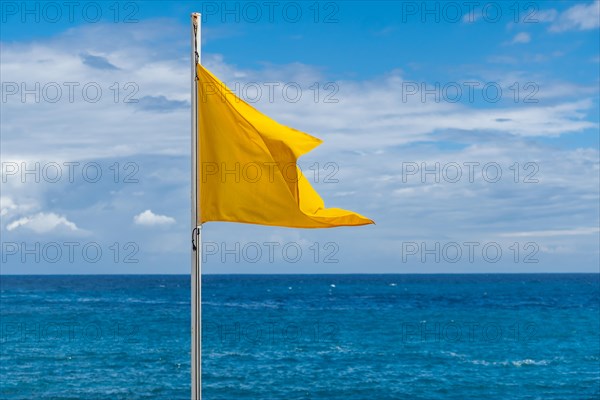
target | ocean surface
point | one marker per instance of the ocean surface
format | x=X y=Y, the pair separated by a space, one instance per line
x=303 y=337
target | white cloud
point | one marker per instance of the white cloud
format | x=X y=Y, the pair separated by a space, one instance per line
x=552 y=233
x=368 y=114
x=545 y=15
x=10 y=208
x=361 y=133
x=521 y=37
x=140 y=74
x=579 y=17
x=43 y=223
x=472 y=17
x=6 y=205
x=149 y=218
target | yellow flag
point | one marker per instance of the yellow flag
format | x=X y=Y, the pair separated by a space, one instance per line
x=247 y=166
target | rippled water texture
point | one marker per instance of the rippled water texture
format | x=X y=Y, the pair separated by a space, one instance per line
x=303 y=337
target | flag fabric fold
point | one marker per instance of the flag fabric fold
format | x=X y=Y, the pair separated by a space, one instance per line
x=248 y=166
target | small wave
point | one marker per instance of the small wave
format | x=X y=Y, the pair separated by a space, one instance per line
x=255 y=305
x=132 y=300
x=89 y=300
x=529 y=361
x=515 y=363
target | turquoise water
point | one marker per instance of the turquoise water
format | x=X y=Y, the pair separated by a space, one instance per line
x=303 y=337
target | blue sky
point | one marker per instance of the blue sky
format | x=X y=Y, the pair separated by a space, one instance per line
x=500 y=101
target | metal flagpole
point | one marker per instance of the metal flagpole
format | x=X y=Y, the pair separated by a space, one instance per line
x=196 y=278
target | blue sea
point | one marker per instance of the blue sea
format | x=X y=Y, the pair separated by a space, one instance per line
x=344 y=337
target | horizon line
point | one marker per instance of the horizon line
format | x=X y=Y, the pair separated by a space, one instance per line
x=323 y=274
